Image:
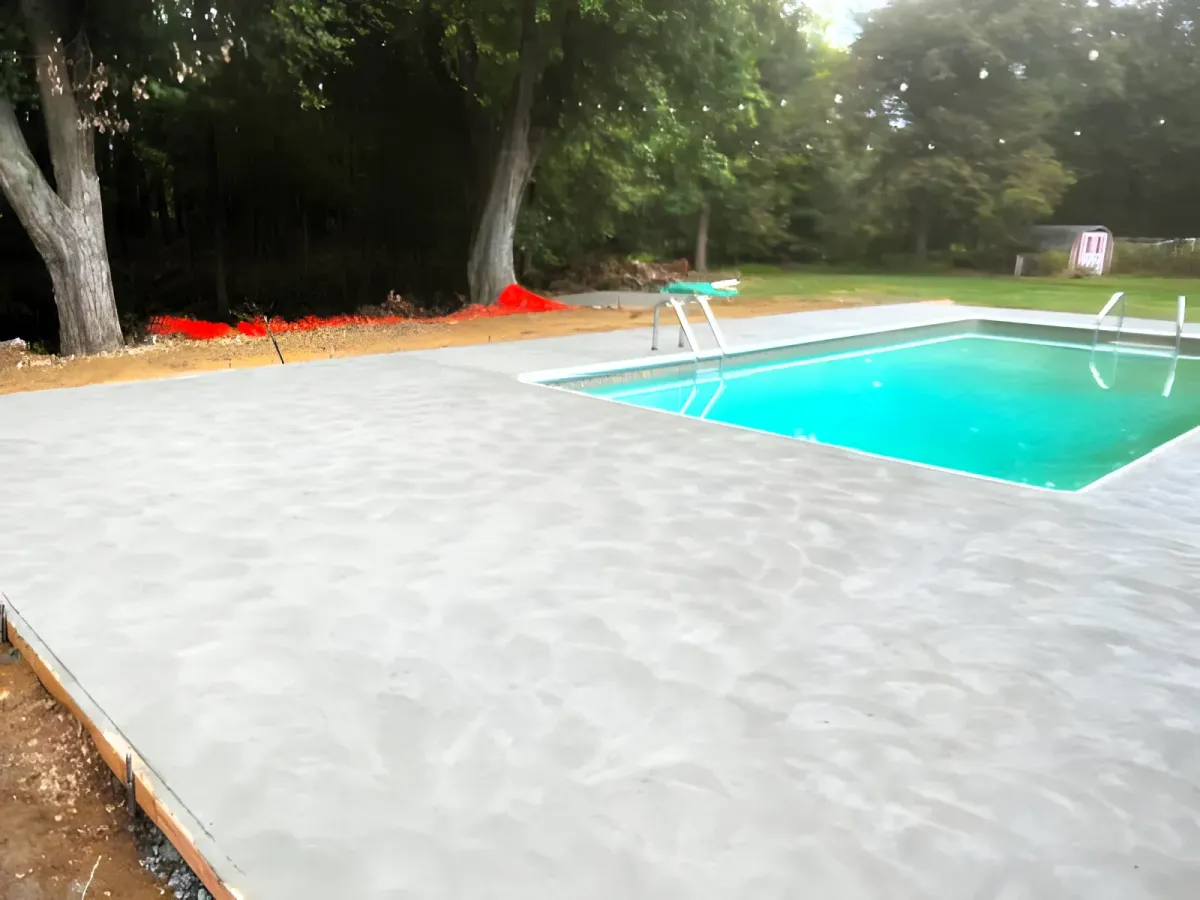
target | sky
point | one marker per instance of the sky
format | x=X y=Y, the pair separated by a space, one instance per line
x=841 y=14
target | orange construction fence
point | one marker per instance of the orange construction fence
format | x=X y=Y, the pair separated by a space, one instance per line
x=514 y=299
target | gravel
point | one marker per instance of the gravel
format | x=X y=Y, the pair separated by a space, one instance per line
x=163 y=861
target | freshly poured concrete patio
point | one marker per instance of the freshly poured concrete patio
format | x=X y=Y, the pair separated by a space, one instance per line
x=402 y=626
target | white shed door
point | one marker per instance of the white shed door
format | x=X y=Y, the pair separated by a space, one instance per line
x=1093 y=251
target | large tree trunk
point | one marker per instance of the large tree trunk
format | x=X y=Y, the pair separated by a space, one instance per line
x=702 y=236
x=490 y=266
x=67 y=226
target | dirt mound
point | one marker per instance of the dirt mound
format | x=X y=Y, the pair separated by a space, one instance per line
x=394 y=306
x=617 y=274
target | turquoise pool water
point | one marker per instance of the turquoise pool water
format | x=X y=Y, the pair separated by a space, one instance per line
x=1021 y=411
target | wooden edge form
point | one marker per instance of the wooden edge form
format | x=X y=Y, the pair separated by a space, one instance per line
x=108 y=743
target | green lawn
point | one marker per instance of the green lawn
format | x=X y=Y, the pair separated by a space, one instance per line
x=1152 y=298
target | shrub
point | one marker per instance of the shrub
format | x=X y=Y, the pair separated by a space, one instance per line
x=1178 y=258
x=1047 y=264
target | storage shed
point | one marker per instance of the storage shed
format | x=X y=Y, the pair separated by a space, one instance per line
x=1089 y=246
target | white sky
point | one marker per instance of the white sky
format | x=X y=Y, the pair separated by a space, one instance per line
x=840 y=13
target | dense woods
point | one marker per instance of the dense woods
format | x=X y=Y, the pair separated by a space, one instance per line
x=297 y=156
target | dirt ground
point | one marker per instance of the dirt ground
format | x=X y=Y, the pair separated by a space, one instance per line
x=61 y=815
x=28 y=372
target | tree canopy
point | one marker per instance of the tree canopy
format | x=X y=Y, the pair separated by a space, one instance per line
x=305 y=156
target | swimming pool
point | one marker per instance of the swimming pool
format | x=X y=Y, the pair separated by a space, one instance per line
x=1020 y=408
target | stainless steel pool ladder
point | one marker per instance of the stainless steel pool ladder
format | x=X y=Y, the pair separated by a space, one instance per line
x=712 y=400
x=1180 y=315
x=685 y=327
x=1119 y=297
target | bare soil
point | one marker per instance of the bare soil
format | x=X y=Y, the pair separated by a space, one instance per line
x=23 y=371
x=61 y=817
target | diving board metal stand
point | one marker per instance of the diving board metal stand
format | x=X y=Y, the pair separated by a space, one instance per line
x=679 y=304
x=685 y=327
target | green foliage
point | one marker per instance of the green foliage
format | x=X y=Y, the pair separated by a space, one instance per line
x=634 y=176
x=1133 y=130
x=1180 y=259
x=1049 y=263
x=337 y=150
x=951 y=101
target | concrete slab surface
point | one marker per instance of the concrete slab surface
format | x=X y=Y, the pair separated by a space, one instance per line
x=401 y=626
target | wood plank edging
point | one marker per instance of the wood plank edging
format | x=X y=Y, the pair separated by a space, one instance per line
x=110 y=745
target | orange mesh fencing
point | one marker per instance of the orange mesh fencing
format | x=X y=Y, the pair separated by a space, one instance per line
x=514 y=300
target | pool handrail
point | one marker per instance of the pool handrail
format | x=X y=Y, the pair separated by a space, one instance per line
x=1118 y=297
x=1180 y=315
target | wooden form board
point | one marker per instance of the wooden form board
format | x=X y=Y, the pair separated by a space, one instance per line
x=112 y=749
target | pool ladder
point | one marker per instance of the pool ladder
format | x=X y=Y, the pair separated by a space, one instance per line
x=685 y=327
x=1119 y=299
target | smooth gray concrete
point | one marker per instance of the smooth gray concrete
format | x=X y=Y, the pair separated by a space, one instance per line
x=402 y=626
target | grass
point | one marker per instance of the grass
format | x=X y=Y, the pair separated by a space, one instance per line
x=1148 y=297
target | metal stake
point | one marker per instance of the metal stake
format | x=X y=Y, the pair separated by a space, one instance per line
x=130 y=787
x=270 y=334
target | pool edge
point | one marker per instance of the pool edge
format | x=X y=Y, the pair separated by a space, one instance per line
x=573 y=379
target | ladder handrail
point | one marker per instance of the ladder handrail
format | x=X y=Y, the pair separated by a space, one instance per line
x=1118 y=297
x=1180 y=315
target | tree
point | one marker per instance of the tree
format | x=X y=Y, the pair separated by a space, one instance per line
x=536 y=69
x=953 y=101
x=730 y=168
x=87 y=60
x=1132 y=130
x=65 y=222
